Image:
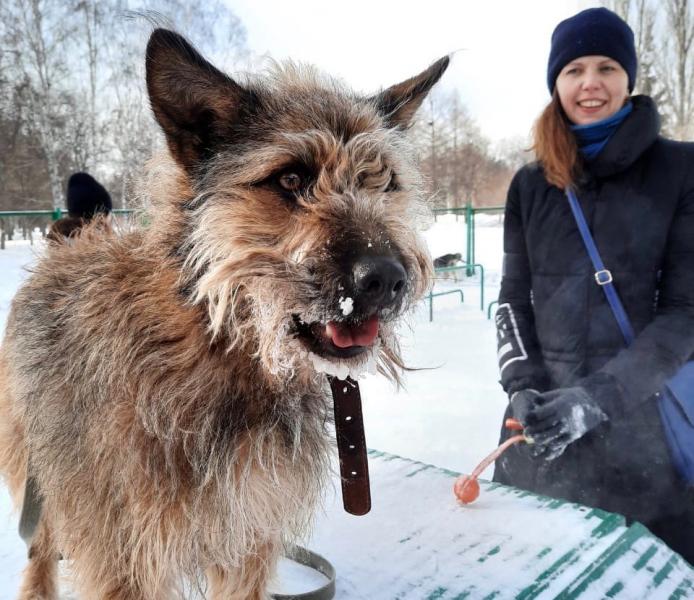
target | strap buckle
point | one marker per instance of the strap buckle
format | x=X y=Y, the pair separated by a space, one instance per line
x=603 y=277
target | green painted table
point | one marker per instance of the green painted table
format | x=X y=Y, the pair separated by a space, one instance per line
x=419 y=543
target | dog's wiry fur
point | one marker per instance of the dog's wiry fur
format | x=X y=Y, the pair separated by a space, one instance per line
x=156 y=380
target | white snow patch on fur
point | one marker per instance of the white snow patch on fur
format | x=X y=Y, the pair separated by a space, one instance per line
x=346 y=306
x=355 y=368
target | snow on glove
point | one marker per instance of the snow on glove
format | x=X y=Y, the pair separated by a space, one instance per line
x=522 y=402
x=559 y=418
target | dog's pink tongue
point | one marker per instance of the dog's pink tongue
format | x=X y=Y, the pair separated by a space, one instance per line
x=345 y=336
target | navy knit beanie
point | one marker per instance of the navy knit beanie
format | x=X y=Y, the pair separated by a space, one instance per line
x=592 y=32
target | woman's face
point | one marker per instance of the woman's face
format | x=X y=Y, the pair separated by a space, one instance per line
x=592 y=88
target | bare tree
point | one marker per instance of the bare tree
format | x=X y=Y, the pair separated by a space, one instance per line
x=430 y=138
x=663 y=35
x=214 y=29
x=455 y=156
x=642 y=18
x=92 y=28
x=72 y=91
x=514 y=152
x=38 y=34
x=680 y=76
x=647 y=80
x=467 y=146
x=468 y=155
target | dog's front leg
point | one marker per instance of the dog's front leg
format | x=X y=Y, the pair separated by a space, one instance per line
x=40 y=580
x=247 y=582
x=97 y=579
x=235 y=585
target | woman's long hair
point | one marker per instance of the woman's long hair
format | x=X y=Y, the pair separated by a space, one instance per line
x=555 y=145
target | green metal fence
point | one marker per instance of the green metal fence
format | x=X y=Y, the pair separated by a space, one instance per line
x=433 y=295
x=47 y=215
x=470 y=265
x=54 y=214
x=469 y=213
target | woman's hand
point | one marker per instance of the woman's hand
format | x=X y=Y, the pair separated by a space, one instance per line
x=522 y=402
x=559 y=418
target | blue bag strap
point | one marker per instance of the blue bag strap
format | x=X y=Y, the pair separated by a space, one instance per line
x=602 y=276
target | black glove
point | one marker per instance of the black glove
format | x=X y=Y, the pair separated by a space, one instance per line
x=559 y=418
x=522 y=402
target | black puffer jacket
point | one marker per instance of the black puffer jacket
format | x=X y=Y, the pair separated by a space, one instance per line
x=556 y=327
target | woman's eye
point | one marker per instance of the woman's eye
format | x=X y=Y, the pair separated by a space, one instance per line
x=290 y=181
x=607 y=68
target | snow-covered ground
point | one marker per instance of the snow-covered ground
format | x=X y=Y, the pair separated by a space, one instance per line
x=448 y=415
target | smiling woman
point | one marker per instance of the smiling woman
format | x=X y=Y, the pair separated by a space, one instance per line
x=590 y=405
x=591 y=72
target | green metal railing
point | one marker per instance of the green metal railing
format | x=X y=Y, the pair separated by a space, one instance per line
x=470 y=265
x=471 y=244
x=469 y=212
x=466 y=267
x=433 y=295
x=457 y=211
x=53 y=215
x=430 y=297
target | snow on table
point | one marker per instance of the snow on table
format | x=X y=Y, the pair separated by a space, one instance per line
x=419 y=543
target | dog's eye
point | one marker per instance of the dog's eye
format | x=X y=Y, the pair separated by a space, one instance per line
x=291 y=181
x=392 y=184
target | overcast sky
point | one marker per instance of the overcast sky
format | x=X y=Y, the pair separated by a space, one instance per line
x=499 y=67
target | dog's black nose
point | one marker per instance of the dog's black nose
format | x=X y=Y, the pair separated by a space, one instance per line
x=379 y=280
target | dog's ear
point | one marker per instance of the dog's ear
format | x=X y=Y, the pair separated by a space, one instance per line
x=399 y=103
x=194 y=103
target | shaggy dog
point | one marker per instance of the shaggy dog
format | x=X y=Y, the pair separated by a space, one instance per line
x=166 y=386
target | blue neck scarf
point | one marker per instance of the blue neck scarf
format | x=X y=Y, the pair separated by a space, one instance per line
x=593 y=137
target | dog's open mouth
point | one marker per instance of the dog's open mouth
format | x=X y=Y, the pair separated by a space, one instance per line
x=343 y=339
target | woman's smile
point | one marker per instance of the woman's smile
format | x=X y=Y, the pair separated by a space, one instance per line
x=592 y=88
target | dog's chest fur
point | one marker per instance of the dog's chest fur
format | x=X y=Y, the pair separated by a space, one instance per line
x=150 y=415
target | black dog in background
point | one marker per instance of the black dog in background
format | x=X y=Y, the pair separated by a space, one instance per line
x=449 y=260
x=86 y=198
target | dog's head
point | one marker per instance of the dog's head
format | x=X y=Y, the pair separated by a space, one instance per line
x=300 y=231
